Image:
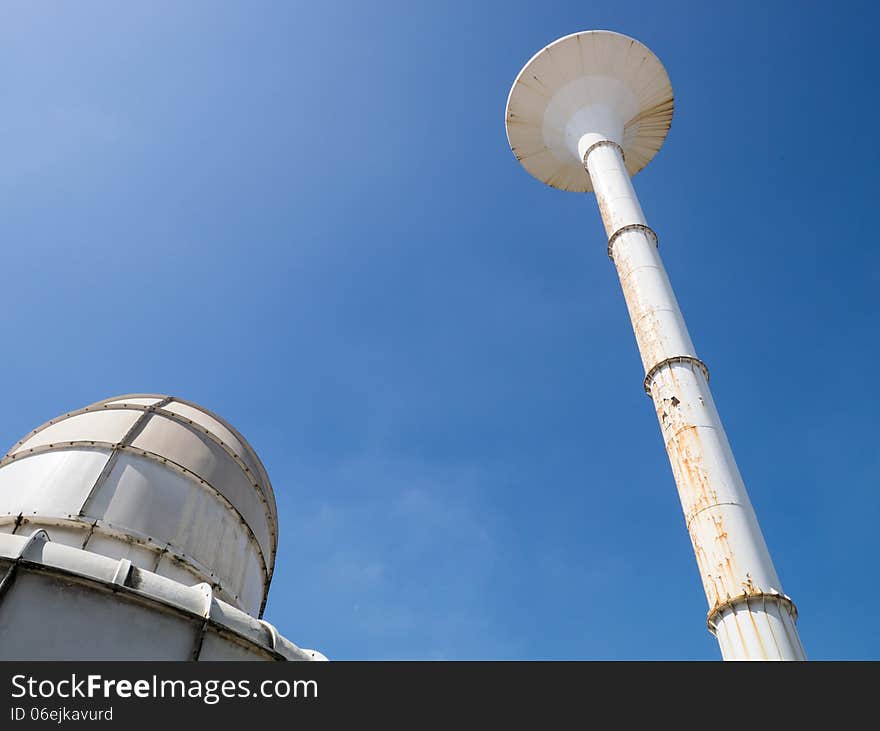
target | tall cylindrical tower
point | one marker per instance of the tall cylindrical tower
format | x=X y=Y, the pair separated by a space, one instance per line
x=586 y=113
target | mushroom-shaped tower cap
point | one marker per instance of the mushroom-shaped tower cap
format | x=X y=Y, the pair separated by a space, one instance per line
x=594 y=82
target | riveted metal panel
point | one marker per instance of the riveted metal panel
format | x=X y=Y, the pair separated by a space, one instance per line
x=71 y=533
x=144 y=496
x=54 y=483
x=163 y=483
x=61 y=602
x=225 y=435
x=116 y=541
x=139 y=401
x=46 y=617
x=100 y=426
x=197 y=453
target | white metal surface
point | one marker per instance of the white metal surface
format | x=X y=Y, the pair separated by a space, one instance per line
x=748 y=611
x=156 y=480
x=593 y=82
x=58 y=602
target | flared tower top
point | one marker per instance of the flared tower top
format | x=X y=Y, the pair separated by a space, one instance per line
x=594 y=82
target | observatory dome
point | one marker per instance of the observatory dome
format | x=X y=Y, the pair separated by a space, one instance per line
x=155 y=480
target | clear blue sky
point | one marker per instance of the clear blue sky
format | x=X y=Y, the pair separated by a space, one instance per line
x=305 y=216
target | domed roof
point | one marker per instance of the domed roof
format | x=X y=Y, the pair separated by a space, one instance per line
x=174 y=482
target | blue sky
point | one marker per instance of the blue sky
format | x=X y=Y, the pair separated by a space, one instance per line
x=306 y=217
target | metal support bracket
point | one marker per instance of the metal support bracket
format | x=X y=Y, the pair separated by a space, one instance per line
x=271 y=631
x=602 y=143
x=123 y=569
x=781 y=599
x=9 y=576
x=631 y=227
x=693 y=360
x=206 y=614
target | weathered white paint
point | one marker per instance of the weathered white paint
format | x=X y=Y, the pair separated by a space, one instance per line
x=598 y=81
x=748 y=611
x=160 y=481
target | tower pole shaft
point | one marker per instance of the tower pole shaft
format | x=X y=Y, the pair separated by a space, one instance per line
x=748 y=612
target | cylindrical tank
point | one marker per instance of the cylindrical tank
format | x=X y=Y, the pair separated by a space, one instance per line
x=154 y=479
x=151 y=502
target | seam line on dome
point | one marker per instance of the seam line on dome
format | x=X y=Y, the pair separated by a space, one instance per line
x=129 y=436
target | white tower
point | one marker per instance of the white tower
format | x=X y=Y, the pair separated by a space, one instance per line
x=602 y=101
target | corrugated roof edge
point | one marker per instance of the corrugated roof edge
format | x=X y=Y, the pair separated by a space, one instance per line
x=168 y=595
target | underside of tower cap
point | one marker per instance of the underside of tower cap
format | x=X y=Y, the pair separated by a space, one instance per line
x=555 y=99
